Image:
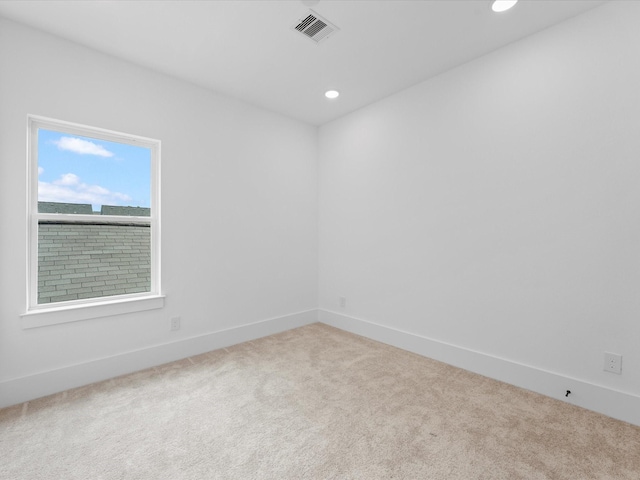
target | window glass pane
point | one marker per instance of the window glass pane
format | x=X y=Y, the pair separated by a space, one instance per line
x=78 y=260
x=96 y=255
x=84 y=175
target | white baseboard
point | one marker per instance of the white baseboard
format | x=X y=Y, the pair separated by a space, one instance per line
x=620 y=405
x=38 y=385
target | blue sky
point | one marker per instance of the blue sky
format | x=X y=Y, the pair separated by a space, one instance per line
x=76 y=169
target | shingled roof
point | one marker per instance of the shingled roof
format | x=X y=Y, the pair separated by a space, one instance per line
x=79 y=260
x=59 y=207
x=125 y=211
x=86 y=209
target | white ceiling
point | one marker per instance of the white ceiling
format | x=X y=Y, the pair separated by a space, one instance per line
x=248 y=50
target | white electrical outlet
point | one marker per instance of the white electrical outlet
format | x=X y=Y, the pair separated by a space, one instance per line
x=612 y=363
x=175 y=324
x=342 y=301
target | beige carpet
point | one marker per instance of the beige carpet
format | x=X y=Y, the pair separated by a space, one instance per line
x=311 y=403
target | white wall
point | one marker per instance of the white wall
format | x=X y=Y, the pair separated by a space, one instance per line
x=239 y=213
x=495 y=209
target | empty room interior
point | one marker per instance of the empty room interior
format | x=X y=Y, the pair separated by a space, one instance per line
x=434 y=273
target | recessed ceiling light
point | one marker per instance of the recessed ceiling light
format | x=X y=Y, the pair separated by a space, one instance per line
x=331 y=94
x=502 y=5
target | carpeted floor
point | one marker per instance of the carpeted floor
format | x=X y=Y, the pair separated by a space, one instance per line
x=310 y=403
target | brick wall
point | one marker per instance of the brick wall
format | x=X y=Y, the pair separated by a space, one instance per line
x=78 y=261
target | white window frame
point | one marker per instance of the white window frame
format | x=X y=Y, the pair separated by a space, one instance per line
x=73 y=310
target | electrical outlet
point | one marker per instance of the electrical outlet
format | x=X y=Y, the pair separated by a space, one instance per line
x=343 y=302
x=612 y=363
x=175 y=324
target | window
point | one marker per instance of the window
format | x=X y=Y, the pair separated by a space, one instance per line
x=94 y=229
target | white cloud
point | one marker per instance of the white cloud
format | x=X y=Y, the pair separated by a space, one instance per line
x=70 y=189
x=97 y=190
x=82 y=147
x=40 y=171
x=67 y=179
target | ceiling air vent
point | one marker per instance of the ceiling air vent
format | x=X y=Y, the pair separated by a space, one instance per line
x=314 y=27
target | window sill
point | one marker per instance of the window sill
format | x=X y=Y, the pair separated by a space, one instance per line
x=43 y=317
